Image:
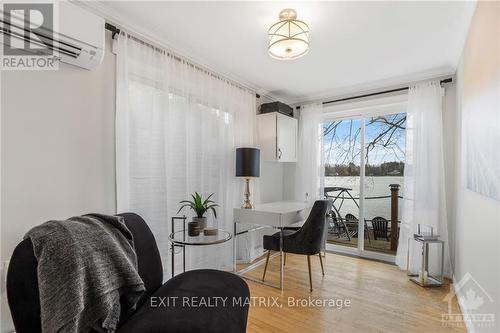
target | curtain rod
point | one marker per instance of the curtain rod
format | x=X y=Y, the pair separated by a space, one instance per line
x=115 y=31
x=448 y=80
x=112 y=28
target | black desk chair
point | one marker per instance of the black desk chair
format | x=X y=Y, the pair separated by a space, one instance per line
x=308 y=240
x=23 y=295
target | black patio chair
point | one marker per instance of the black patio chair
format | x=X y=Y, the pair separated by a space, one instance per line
x=353 y=220
x=333 y=223
x=380 y=228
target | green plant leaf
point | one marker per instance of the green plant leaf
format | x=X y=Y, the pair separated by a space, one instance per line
x=198 y=205
x=208 y=199
x=185 y=205
x=212 y=208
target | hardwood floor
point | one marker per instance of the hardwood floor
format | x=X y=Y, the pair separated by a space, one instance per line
x=382 y=299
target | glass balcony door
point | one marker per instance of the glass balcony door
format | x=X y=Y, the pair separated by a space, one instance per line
x=364 y=164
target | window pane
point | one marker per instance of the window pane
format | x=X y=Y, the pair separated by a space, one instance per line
x=384 y=165
x=342 y=149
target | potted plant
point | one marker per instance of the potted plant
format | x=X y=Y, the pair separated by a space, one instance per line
x=200 y=207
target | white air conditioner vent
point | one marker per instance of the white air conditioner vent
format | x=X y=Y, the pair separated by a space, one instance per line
x=77 y=36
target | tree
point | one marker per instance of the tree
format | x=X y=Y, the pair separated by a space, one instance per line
x=384 y=135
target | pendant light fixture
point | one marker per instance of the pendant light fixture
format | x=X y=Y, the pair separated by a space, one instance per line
x=288 y=38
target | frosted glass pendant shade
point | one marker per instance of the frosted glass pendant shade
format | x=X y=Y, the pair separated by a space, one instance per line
x=288 y=38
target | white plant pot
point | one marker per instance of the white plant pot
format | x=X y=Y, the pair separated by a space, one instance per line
x=202 y=222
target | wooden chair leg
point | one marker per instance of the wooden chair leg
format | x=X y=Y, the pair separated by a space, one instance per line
x=310 y=277
x=265 y=267
x=284 y=258
x=321 y=262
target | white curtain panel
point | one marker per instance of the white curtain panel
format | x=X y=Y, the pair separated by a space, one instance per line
x=309 y=168
x=424 y=182
x=177 y=128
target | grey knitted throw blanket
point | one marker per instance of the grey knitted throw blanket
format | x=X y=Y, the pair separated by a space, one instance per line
x=85 y=264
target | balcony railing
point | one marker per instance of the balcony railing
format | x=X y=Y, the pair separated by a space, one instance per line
x=378 y=230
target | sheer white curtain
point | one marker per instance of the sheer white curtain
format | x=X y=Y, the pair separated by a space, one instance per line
x=177 y=127
x=424 y=185
x=309 y=167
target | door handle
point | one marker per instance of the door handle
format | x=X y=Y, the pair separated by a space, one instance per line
x=279 y=153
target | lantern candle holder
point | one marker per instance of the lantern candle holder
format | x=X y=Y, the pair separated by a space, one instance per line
x=425 y=240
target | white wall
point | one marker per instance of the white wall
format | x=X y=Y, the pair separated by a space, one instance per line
x=57 y=140
x=271 y=181
x=477 y=227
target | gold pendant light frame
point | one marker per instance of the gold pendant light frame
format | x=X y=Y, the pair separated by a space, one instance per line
x=288 y=31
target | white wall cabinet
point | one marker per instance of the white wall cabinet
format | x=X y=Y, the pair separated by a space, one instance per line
x=277 y=135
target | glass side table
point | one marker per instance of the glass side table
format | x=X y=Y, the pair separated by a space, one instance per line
x=182 y=239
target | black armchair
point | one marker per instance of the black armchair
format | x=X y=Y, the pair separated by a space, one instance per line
x=308 y=240
x=23 y=295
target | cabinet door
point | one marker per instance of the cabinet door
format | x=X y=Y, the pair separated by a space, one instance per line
x=287 y=138
x=266 y=131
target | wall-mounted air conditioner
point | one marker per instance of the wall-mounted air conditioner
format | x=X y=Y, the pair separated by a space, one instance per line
x=76 y=36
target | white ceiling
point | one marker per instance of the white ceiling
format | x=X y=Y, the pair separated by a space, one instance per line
x=355 y=46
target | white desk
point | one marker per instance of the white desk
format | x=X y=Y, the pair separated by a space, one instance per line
x=274 y=214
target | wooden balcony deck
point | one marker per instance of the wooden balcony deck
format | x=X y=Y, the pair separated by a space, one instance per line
x=378 y=245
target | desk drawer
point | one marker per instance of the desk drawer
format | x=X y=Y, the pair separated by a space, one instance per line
x=294 y=217
x=249 y=216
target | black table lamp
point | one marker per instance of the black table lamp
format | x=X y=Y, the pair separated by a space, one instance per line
x=247 y=166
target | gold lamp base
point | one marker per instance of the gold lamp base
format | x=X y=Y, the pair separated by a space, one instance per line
x=246 y=203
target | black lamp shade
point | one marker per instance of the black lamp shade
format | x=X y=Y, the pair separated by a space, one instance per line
x=247 y=162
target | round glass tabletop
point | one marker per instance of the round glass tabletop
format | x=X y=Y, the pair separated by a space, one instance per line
x=182 y=238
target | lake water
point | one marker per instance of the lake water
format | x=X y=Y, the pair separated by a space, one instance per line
x=374 y=186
